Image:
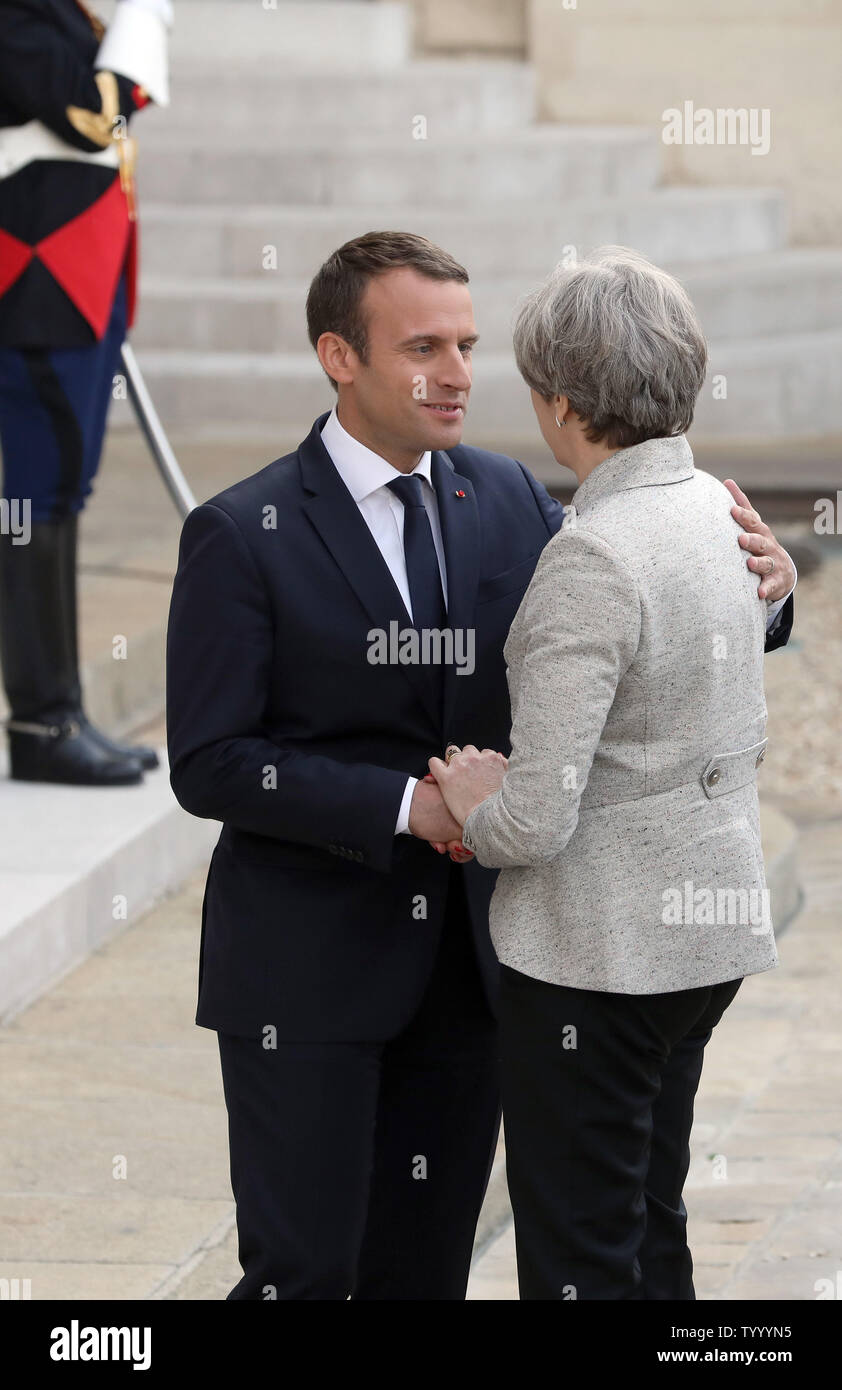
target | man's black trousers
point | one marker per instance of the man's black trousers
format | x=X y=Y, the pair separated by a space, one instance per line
x=359 y=1168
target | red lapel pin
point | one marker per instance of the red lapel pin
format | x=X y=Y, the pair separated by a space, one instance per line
x=460 y=493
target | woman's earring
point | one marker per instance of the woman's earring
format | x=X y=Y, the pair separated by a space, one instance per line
x=559 y=422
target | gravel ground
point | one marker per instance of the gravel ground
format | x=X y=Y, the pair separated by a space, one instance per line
x=804 y=694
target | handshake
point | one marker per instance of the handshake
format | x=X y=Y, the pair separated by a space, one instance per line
x=443 y=800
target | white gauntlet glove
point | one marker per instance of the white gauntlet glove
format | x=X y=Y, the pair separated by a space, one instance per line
x=135 y=45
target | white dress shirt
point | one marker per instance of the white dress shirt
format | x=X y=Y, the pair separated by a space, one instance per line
x=773 y=609
x=366 y=475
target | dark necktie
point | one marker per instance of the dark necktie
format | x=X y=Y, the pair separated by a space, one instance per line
x=422 y=566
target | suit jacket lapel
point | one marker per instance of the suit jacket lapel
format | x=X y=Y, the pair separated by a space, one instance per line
x=336 y=517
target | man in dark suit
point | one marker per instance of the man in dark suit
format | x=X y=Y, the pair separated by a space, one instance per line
x=347 y=968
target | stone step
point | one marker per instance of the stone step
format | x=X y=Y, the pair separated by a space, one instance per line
x=253 y=108
x=778 y=385
x=781 y=386
x=792 y=291
x=214 y=240
x=73 y=857
x=211 y=35
x=796 y=290
x=536 y=164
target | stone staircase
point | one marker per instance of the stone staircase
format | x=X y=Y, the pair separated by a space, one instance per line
x=309 y=145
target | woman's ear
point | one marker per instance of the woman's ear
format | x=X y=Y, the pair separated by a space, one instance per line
x=561 y=408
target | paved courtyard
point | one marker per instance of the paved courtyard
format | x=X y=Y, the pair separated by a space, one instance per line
x=114 y=1160
x=113 y=1156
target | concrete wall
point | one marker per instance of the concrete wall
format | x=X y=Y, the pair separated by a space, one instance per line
x=630 y=60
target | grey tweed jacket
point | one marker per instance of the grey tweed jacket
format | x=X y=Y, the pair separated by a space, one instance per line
x=626 y=828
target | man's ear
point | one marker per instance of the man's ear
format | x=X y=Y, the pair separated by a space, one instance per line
x=337 y=357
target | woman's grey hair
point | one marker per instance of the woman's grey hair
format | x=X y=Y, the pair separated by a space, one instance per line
x=621 y=340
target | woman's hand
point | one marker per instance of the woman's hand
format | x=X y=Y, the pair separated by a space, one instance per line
x=468 y=778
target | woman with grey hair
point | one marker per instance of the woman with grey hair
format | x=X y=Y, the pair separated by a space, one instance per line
x=632 y=899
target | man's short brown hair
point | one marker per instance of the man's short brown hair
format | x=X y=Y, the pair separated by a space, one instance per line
x=334 y=301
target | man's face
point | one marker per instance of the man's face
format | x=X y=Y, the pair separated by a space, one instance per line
x=412 y=393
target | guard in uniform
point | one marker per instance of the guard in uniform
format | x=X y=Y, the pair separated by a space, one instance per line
x=68 y=255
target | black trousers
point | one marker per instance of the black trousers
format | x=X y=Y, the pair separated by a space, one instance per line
x=598 y=1094
x=359 y=1168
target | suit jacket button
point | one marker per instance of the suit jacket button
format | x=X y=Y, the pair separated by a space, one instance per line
x=713 y=777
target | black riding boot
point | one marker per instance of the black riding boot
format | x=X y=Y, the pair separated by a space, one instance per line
x=47 y=740
x=146 y=756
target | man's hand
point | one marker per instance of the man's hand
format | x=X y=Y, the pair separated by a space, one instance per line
x=454 y=848
x=429 y=818
x=767 y=557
